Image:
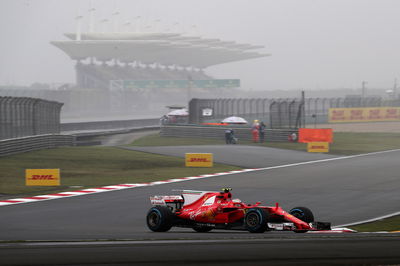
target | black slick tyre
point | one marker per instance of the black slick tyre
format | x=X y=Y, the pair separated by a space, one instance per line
x=160 y=219
x=256 y=220
x=304 y=214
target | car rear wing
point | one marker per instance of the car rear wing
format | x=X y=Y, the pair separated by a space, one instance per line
x=163 y=200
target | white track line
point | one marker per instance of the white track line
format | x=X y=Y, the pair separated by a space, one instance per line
x=326 y=160
x=370 y=220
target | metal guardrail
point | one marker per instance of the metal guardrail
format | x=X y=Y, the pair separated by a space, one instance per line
x=38 y=142
x=242 y=133
x=32 y=143
x=75 y=134
x=107 y=125
x=85 y=131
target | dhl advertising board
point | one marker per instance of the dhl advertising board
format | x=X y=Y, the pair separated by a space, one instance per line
x=318 y=147
x=42 y=177
x=370 y=114
x=199 y=160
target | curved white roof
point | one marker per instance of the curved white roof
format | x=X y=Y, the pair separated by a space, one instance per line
x=122 y=36
x=162 y=48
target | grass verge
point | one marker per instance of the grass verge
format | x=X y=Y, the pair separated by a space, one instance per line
x=345 y=143
x=389 y=224
x=85 y=167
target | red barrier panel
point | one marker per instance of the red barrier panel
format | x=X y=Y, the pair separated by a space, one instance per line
x=315 y=135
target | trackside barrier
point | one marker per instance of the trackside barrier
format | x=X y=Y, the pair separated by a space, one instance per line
x=32 y=143
x=243 y=133
x=117 y=124
x=11 y=146
x=315 y=135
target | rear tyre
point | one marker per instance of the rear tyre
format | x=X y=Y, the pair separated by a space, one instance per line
x=202 y=229
x=304 y=214
x=256 y=220
x=160 y=219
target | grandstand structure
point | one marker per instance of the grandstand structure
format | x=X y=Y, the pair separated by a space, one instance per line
x=153 y=64
x=102 y=57
x=128 y=72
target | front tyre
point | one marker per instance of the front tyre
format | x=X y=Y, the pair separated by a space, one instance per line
x=304 y=214
x=160 y=219
x=256 y=220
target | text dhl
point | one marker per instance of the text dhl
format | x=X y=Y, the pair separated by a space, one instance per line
x=318 y=147
x=42 y=177
x=203 y=160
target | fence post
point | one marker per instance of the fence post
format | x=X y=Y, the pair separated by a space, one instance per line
x=3 y=125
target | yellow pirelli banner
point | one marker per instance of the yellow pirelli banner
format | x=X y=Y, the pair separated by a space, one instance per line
x=199 y=160
x=42 y=177
x=318 y=146
x=370 y=114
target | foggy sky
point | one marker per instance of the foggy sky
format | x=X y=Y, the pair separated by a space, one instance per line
x=315 y=44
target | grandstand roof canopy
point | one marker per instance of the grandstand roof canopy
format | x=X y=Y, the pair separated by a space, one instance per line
x=161 y=48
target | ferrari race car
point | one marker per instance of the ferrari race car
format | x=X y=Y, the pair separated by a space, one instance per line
x=205 y=210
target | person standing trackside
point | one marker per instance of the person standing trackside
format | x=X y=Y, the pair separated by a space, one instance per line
x=254 y=130
x=261 y=131
x=230 y=137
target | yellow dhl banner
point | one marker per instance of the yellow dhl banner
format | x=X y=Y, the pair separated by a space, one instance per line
x=318 y=147
x=42 y=177
x=199 y=159
x=370 y=114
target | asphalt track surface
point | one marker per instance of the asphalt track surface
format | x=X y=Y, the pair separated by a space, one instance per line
x=325 y=250
x=340 y=191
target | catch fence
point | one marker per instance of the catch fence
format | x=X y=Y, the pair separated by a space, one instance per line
x=23 y=116
x=277 y=113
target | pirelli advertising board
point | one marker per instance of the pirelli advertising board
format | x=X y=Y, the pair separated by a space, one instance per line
x=370 y=114
x=199 y=160
x=42 y=177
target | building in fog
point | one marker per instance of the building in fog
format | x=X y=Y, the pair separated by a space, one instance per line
x=138 y=72
x=148 y=61
x=102 y=57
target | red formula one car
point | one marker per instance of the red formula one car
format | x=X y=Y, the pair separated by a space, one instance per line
x=205 y=210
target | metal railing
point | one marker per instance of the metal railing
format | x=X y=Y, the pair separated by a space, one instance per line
x=109 y=125
x=242 y=133
x=32 y=143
